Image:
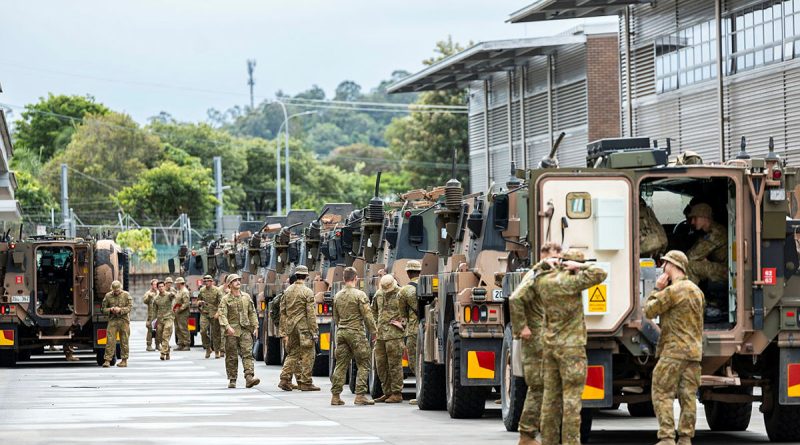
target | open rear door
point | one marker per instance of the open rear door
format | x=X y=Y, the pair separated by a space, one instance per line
x=82 y=280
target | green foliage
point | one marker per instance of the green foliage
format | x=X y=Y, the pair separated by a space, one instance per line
x=47 y=126
x=140 y=242
x=363 y=158
x=161 y=194
x=32 y=196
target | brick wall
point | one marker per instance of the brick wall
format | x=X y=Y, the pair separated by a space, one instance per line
x=139 y=284
x=602 y=84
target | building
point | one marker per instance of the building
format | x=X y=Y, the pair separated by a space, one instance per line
x=534 y=89
x=704 y=73
x=9 y=207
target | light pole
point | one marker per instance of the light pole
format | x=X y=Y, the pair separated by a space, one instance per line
x=286 y=155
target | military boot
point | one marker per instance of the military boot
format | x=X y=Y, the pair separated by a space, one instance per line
x=232 y=383
x=251 y=381
x=684 y=440
x=216 y=354
x=150 y=348
x=163 y=356
x=295 y=386
x=208 y=352
x=123 y=363
x=395 y=398
x=362 y=399
x=412 y=402
x=308 y=387
x=336 y=400
x=167 y=356
x=106 y=364
x=71 y=358
x=285 y=385
x=666 y=442
x=381 y=399
x=527 y=439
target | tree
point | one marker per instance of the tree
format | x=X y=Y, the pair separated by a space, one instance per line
x=139 y=242
x=348 y=91
x=363 y=158
x=47 y=126
x=32 y=196
x=161 y=194
x=323 y=138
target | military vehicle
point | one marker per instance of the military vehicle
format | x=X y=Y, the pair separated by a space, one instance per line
x=53 y=288
x=191 y=266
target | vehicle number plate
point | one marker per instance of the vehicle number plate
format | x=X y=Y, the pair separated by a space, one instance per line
x=20 y=299
x=777 y=195
x=497 y=294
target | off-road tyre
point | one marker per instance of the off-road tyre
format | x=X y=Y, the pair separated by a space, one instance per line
x=429 y=379
x=320 y=368
x=782 y=421
x=722 y=416
x=587 y=414
x=273 y=351
x=641 y=409
x=513 y=390
x=463 y=402
x=374 y=382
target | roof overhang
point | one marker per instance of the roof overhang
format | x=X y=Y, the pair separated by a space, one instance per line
x=571 y=9
x=480 y=61
x=10 y=211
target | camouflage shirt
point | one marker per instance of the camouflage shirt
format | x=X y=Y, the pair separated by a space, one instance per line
x=525 y=305
x=163 y=306
x=388 y=307
x=560 y=291
x=238 y=313
x=652 y=236
x=351 y=311
x=680 y=306
x=123 y=301
x=298 y=310
x=182 y=298
x=408 y=294
x=148 y=299
x=712 y=246
x=211 y=296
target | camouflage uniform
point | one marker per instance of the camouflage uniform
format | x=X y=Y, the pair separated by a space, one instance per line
x=117 y=323
x=680 y=349
x=148 y=299
x=708 y=258
x=652 y=236
x=166 y=321
x=408 y=294
x=298 y=324
x=211 y=297
x=238 y=312
x=182 y=298
x=388 y=307
x=351 y=314
x=564 y=339
x=527 y=310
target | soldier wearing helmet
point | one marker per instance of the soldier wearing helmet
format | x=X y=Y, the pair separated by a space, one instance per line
x=391 y=314
x=181 y=308
x=148 y=300
x=237 y=316
x=209 y=297
x=708 y=257
x=408 y=293
x=679 y=303
x=117 y=306
x=165 y=318
x=298 y=328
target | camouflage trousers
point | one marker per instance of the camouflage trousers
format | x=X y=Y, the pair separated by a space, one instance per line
x=236 y=346
x=210 y=331
x=164 y=333
x=114 y=328
x=149 y=338
x=707 y=270
x=411 y=349
x=182 y=328
x=532 y=361
x=299 y=359
x=564 y=378
x=389 y=364
x=349 y=345
x=673 y=377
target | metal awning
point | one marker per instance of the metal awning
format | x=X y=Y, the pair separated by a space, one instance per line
x=571 y=9
x=479 y=61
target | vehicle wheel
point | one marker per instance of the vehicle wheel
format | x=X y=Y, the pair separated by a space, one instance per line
x=374 y=382
x=100 y=356
x=586 y=424
x=463 y=402
x=352 y=376
x=320 y=366
x=641 y=409
x=258 y=350
x=8 y=358
x=782 y=421
x=513 y=390
x=191 y=340
x=430 y=378
x=722 y=416
x=273 y=351
x=24 y=355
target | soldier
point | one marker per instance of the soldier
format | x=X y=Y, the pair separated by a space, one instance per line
x=298 y=328
x=409 y=294
x=708 y=257
x=679 y=303
x=237 y=316
x=391 y=313
x=165 y=319
x=168 y=284
x=559 y=284
x=148 y=299
x=527 y=319
x=182 y=302
x=208 y=298
x=117 y=305
x=351 y=315
x=652 y=236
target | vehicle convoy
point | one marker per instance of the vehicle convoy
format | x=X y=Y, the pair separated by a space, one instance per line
x=53 y=288
x=751 y=317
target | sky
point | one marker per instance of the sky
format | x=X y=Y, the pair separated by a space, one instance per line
x=186 y=56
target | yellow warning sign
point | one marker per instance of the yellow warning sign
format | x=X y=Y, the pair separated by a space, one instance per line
x=597 y=299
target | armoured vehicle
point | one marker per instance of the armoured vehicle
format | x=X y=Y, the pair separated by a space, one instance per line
x=53 y=288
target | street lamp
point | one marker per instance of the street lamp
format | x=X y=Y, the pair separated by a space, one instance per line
x=286 y=156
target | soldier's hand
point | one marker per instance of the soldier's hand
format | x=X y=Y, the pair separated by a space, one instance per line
x=526 y=333
x=662 y=281
x=255 y=332
x=216 y=316
x=571 y=265
x=285 y=341
x=229 y=331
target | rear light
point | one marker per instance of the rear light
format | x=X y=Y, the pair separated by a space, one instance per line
x=263 y=306
x=4 y=309
x=790 y=314
x=12 y=245
x=776 y=174
x=408 y=214
x=467 y=314
x=484 y=313
x=338 y=233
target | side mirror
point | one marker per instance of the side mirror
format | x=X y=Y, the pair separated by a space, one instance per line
x=416 y=230
x=171 y=265
x=500 y=206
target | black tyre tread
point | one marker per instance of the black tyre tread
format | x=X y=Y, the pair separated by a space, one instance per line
x=641 y=409
x=587 y=415
x=272 y=351
x=258 y=351
x=511 y=405
x=320 y=368
x=723 y=416
x=374 y=382
x=782 y=421
x=468 y=402
x=352 y=373
x=8 y=358
x=430 y=379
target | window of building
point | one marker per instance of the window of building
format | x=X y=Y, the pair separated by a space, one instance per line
x=686 y=57
x=755 y=36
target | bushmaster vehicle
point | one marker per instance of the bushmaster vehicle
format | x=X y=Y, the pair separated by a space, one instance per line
x=53 y=288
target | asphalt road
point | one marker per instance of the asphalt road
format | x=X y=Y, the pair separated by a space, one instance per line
x=185 y=400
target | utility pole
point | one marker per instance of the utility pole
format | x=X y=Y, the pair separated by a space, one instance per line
x=218 y=186
x=251 y=67
x=65 y=211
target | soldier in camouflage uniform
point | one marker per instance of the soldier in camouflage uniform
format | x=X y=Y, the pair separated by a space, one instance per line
x=652 y=236
x=148 y=299
x=559 y=284
x=208 y=298
x=117 y=304
x=165 y=317
x=351 y=315
x=298 y=328
x=708 y=257
x=527 y=319
x=391 y=314
x=182 y=302
x=409 y=294
x=679 y=303
x=237 y=316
